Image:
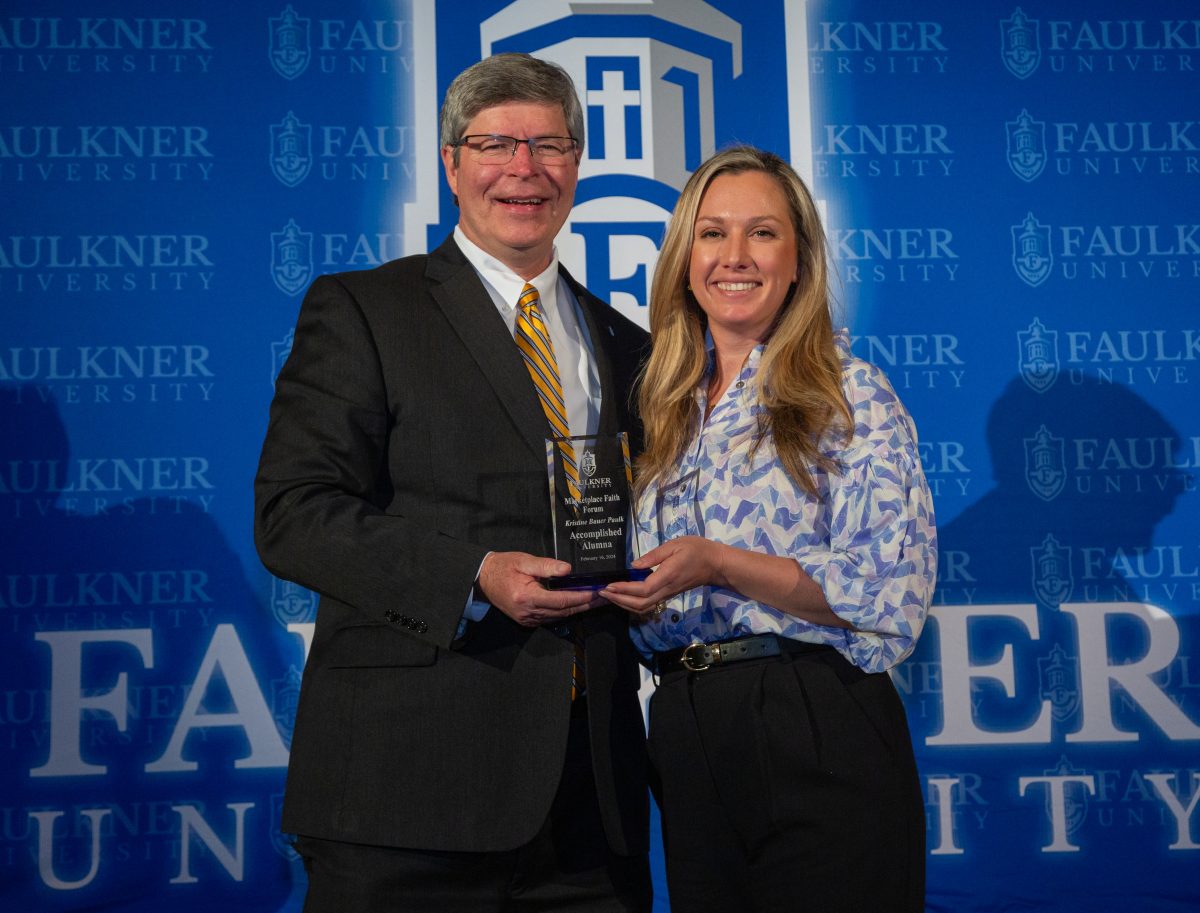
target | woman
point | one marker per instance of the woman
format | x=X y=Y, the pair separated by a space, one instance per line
x=782 y=506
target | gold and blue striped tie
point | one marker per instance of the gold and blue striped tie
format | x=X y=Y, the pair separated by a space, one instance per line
x=533 y=340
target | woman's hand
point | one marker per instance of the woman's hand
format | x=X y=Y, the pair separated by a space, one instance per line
x=679 y=565
x=692 y=561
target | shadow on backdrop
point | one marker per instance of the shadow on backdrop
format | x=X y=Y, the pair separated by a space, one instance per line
x=1084 y=473
x=147 y=691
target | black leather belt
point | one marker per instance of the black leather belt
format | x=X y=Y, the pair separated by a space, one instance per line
x=698 y=657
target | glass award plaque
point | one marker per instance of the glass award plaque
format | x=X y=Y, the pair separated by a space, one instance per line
x=591 y=477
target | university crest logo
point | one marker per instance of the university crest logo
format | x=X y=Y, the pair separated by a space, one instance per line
x=291 y=150
x=290 y=43
x=1075 y=795
x=291 y=258
x=662 y=84
x=290 y=602
x=1037 y=356
x=1031 y=254
x=1059 y=676
x=1020 y=48
x=1045 y=464
x=1026 y=146
x=1052 y=578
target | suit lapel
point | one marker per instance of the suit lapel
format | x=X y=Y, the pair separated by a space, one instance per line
x=458 y=291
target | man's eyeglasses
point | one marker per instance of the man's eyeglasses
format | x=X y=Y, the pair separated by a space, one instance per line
x=490 y=147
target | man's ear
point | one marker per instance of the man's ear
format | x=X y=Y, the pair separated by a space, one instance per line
x=451 y=169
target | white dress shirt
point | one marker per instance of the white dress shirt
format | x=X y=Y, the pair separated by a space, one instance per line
x=564 y=320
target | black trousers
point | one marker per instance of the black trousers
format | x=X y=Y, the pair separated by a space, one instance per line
x=788 y=785
x=568 y=866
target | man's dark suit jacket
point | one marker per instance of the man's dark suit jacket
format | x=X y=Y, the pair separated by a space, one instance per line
x=405 y=442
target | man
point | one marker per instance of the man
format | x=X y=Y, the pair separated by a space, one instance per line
x=442 y=759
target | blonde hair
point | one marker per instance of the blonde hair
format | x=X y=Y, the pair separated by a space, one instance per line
x=799 y=380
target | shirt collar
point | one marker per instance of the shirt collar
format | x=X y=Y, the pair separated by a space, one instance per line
x=742 y=383
x=501 y=277
x=749 y=369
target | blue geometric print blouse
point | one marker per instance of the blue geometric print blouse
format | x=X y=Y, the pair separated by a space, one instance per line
x=868 y=540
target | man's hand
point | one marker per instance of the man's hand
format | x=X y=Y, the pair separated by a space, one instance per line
x=510 y=581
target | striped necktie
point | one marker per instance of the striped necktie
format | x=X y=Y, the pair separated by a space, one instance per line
x=533 y=340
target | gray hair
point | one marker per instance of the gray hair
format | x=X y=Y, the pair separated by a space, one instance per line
x=503 y=78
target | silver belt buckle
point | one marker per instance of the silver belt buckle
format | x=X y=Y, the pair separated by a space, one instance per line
x=693 y=663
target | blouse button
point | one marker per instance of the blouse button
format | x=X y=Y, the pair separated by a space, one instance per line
x=740 y=384
x=674 y=616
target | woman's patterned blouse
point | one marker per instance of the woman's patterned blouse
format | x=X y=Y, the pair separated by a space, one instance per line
x=868 y=540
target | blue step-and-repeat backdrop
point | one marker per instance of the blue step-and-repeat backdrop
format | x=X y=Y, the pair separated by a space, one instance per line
x=1012 y=194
